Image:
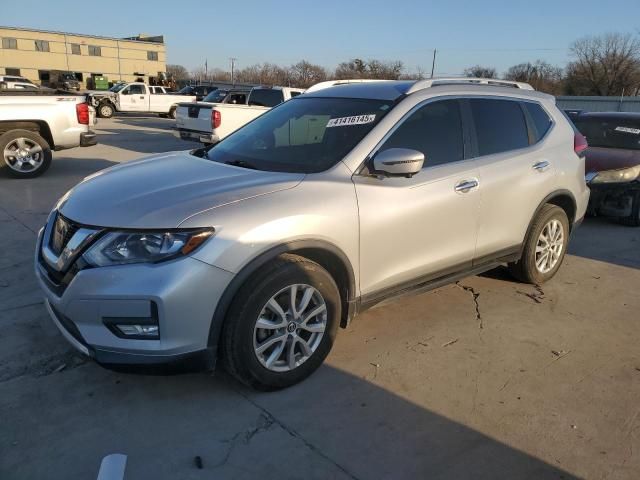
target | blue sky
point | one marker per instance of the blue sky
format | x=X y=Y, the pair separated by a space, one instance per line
x=489 y=32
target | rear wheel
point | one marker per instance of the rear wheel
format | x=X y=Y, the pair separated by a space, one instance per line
x=105 y=110
x=172 y=113
x=544 y=247
x=282 y=324
x=25 y=154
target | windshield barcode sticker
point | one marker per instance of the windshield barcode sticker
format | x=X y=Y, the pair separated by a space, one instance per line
x=348 y=121
x=635 y=131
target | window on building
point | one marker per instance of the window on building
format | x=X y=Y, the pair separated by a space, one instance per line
x=12 y=71
x=75 y=49
x=152 y=56
x=95 y=51
x=42 y=46
x=43 y=75
x=10 y=43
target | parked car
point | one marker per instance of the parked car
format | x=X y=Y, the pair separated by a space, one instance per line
x=35 y=123
x=573 y=113
x=613 y=163
x=9 y=82
x=257 y=249
x=62 y=80
x=209 y=123
x=136 y=97
x=200 y=91
x=234 y=96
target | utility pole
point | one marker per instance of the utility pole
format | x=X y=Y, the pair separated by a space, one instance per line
x=233 y=66
x=433 y=64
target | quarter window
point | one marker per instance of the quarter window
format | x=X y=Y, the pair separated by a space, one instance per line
x=435 y=130
x=75 y=49
x=42 y=46
x=152 y=56
x=500 y=125
x=541 y=121
x=95 y=51
x=10 y=43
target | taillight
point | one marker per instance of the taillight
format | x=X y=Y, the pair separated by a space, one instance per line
x=82 y=112
x=216 y=119
x=580 y=144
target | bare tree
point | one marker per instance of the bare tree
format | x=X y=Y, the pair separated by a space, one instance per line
x=177 y=72
x=540 y=75
x=304 y=74
x=480 y=71
x=376 y=69
x=604 y=65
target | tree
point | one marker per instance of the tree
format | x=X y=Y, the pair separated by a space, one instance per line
x=177 y=72
x=374 y=69
x=479 y=71
x=604 y=65
x=304 y=74
x=540 y=75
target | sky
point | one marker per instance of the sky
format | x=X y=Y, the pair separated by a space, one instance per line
x=487 y=32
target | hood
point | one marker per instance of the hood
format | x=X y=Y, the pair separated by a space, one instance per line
x=164 y=190
x=599 y=159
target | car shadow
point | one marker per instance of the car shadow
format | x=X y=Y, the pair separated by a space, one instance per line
x=607 y=240
x=153 y=139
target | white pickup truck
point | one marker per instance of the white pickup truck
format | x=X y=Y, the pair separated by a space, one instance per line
x=34 y=123
x=211 y=122
x=137 y=97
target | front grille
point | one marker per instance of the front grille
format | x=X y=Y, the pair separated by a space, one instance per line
x=63 y=230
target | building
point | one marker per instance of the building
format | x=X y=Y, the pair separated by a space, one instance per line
x=35 y=53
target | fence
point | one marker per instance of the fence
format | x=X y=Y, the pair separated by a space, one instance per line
x=600 y=104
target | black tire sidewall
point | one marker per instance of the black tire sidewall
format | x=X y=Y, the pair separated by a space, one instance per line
x=172 y=113
x=245 y=311
x=11 y=135
x=531 y=271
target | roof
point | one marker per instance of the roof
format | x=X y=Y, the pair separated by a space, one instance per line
x=392 y=90
x=158 y=39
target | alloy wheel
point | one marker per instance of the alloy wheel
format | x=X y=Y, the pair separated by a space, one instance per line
x=290 y=327
x=549 y=246
x=23 y=155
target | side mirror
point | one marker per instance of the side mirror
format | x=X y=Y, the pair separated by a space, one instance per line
x=395 y=162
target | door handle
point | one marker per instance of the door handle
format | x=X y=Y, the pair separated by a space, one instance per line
x=541 y=166
x=466 y=185
x=141 y=97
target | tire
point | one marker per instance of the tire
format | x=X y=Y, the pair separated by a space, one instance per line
x=549 y=218
x=34 y=159
x=633 y=220
x=105 y=110
x=242 y=338
x=172 y=113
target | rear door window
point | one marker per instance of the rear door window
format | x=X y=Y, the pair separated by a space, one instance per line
x=266 y=97
x=435 y=130
x=541 y=120
x=500 y=125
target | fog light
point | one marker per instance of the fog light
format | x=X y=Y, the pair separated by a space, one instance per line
x=150 y=331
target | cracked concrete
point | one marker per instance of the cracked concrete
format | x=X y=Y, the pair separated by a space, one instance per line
x=486 y=406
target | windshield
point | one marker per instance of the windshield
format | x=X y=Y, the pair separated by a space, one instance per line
x=304 y=135
x=68 y=76
x=117 y=87
x=216 y=96
x=610 y=133
x=186 y=90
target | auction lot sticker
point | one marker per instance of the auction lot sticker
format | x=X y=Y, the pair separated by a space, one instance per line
x=348 y=121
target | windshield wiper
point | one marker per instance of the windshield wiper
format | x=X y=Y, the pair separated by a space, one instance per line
x=241 y=163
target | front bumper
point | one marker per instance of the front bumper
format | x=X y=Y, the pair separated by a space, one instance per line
x=88 y=139
x=612 y=199
x=184 y=293
x=195 y=136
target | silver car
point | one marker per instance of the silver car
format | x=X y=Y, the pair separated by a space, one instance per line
x=256 y=250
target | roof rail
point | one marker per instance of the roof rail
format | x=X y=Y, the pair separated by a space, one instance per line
x=333 y=83
x=432 y=82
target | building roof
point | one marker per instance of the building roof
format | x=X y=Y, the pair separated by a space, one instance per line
x=156 y=39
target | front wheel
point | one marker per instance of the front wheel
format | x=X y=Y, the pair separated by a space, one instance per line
x=544 y=247
x=281 y=324
x=25 y=154
x=105 y=110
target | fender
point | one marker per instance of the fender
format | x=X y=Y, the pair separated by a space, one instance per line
x=259 y=261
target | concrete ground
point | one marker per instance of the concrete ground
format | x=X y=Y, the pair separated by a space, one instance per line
x=487 y=378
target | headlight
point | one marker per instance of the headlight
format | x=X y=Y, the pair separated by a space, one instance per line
x=617 y=176
x=117 y=248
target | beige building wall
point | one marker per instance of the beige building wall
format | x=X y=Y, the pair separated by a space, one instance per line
x=119 y=59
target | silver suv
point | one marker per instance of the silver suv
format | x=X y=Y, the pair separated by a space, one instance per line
x=256 y=250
